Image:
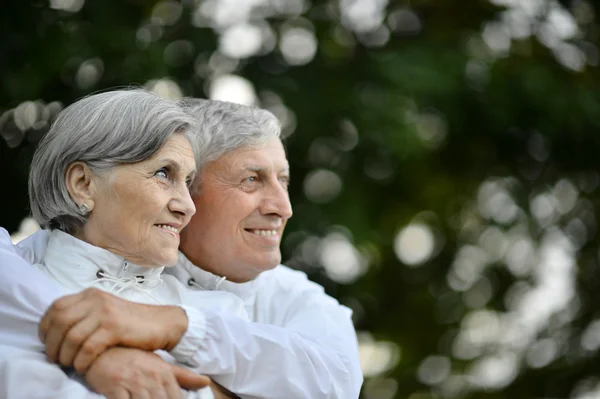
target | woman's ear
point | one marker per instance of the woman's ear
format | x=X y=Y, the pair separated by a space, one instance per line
x=81 y=185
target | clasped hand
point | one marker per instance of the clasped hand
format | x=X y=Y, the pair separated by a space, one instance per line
x=126 y=373
x=78 y=328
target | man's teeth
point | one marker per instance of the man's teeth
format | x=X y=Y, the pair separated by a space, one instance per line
x=164 y=226
x=266 y=233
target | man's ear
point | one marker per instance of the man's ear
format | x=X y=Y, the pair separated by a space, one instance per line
x=81 y=185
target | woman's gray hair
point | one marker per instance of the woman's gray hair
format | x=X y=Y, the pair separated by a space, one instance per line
x=103 y=130
x=225 y=127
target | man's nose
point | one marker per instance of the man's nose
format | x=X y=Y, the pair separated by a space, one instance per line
x=277 y=201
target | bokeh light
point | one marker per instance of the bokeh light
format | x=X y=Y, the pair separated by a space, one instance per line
x=376 y=357
x=414 y=244
x=341 y=260
x=322 y=186
x=232 y=88
x=27 y=227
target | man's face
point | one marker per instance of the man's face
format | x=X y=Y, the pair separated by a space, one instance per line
x=242 y=208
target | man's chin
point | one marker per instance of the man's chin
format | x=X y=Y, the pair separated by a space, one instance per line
x=265 y=264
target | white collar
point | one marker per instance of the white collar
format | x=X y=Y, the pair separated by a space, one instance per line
x=194 y=275
x=76 y=264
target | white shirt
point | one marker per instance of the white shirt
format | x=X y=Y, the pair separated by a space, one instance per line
x=288 y=340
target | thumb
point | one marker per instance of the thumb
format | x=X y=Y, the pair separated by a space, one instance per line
x=188 y=379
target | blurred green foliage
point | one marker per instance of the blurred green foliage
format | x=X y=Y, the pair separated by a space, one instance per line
x=474 y=124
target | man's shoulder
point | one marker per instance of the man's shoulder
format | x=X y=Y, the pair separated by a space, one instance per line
x=285 y=279
x=289 y=291
x=284 y=275
x=33 y=248
x=23 y=249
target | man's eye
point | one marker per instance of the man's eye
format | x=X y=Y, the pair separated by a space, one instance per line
x=285 y=180
x=251 y=179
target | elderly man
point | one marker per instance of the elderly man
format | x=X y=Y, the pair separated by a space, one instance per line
x=297 y=342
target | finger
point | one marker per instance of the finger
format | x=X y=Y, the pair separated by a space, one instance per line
x=160 y=392
x=140 y=394
x=59 y=305
x=98 y=342
x=118 y=393
x=188 y=379
x=153 y=386
x=171 y=387
x=60 y=324
x=75 y=338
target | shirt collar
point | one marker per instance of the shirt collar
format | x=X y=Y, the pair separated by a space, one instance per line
x=209 y=281
x=76 y=264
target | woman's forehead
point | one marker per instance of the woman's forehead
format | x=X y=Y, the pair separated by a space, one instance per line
x=178 y=150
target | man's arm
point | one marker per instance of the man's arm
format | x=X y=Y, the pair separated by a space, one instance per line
x=25 y=294
x=25 y=374
x=310 y=353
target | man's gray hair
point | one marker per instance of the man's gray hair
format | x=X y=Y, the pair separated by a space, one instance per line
x=103 y=130
x=225 y=126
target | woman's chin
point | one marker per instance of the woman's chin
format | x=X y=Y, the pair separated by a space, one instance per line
x=163 y=259
x=171 y=259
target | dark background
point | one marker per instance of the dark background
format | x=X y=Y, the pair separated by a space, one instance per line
x=444 y=162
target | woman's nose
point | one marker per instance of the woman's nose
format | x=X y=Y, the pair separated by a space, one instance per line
x=183 y=203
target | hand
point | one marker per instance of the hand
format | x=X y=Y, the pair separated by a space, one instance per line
x=77 y=328
x=123 y=373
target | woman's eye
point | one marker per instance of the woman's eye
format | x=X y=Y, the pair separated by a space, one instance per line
x=162 y=172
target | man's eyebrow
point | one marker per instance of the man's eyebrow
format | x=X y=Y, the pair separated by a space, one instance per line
x=257 y=169
x=260 y=169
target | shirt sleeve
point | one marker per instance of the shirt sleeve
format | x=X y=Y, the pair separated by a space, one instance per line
x=27 y=375
x=310 y=350
x=25 y=294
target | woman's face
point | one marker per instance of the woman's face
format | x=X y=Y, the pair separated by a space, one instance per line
x=139 y=209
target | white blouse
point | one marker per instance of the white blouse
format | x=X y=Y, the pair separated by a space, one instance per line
x=77 y=265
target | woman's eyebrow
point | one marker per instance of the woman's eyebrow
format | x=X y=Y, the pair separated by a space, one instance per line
x=175 y=165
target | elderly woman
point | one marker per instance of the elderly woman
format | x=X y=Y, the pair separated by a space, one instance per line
x=111 y=181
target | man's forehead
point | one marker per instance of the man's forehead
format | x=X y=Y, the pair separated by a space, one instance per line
x=263 y=158
x=257 y=167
